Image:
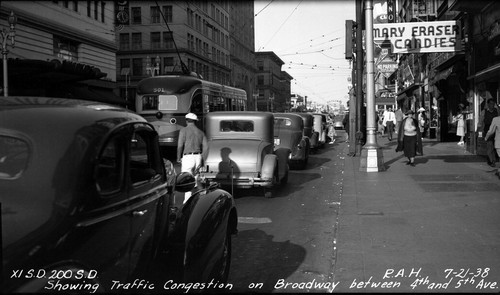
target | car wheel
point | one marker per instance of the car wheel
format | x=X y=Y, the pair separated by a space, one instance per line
x=226 y=258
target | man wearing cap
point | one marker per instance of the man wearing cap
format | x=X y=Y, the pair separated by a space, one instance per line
x=191 y=149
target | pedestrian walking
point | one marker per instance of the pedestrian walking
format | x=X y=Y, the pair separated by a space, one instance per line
x=399 y=118
x=494 y=130
x=491 y=111
x=460 y=120
x=409 y=138
x=389 y=121
x=345 y=122
x=422 y=121
x=380 y=120
x=192 y=149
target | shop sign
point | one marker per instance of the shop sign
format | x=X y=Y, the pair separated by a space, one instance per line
x=387 y=68
x=420 y=37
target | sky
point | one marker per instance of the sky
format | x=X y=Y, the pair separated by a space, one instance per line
x=309 y=37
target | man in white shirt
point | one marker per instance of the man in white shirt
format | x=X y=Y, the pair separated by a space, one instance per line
x=389 y=121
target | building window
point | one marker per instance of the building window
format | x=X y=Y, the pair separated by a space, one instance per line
x=124 y=41
x=168 y=40
x=260 y=65
x=167 y=12
x=155 y=15
x=190 y=16
x=137 y=67
x=89 y=8
x=103 y=10
x=75 y=6
x=155 y=40
x=96 y=15
x=168 y=64
x=260 y=80
x=136 y=41
x=124 y=65
x=136 y=15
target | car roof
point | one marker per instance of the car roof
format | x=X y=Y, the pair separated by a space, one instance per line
x=27 y=113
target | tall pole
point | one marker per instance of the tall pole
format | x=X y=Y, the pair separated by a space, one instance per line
x=5 y=77
x=359 y=75
x=372 y=159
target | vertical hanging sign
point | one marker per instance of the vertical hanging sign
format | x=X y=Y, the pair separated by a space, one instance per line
x=391 y=11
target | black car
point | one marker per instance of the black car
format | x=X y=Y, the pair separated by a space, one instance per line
x=87 y=204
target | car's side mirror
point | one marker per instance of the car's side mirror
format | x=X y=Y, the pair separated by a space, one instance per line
x=184 y=182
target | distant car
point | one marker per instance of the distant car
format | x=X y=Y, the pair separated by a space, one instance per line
x=320 y=126
x=288 y=133
x=87 y=200
x=241 y=151
x=338 y=125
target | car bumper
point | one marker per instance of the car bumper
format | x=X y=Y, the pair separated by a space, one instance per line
x=240 y=181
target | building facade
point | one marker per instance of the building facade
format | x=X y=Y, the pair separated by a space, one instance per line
x=62 y=48
x=214 y=39
x=273 y=84
x=242 y=50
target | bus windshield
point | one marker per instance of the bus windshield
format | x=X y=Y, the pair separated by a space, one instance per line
x=159 y=103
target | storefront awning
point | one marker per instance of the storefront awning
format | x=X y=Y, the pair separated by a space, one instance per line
x=486 y=74
x=408 y=91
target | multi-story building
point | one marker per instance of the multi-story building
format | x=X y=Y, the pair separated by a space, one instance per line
x=242 y=39
x=214 y=39
x=62 y=48
x=273 y=84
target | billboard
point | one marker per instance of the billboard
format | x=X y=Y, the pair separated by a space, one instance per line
x=419 y=37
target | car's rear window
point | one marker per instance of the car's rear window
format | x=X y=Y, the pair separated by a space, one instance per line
x=14 y=156
x=236 y=126
x=282 y=122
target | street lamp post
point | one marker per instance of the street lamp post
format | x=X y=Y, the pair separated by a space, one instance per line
x=5 y=35
x=153 y=70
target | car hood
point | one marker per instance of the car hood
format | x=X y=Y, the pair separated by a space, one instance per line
x=241 y=155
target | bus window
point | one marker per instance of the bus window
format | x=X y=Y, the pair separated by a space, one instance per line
x=149 y=102
x=197 y=104
x=167 y=103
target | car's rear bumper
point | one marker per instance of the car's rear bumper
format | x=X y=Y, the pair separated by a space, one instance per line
x=240 y=181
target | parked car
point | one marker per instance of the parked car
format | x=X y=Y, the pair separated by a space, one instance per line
x=309 y=130
x=320 y=126
x=241 y=151
x=87 y=200
x=288 y=133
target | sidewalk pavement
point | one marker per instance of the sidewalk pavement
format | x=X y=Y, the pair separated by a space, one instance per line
x=434 y=227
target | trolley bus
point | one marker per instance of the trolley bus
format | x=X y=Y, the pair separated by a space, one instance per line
x=165 y=100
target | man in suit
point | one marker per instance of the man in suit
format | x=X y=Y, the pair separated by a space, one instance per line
x=494 y=130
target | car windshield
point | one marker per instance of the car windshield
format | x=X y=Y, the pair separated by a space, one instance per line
x=236 y=126
x=14 y=154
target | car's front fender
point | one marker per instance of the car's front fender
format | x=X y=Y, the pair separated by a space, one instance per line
x=208 y=217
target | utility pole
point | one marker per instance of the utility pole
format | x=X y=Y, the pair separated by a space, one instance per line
x=372 y=158
x=359 y=78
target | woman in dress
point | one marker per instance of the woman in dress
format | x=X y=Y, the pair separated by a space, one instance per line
x=410 y=138
x=460 y=119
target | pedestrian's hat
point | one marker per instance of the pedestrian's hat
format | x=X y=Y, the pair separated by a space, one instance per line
x=421 y=110
x=409 y=112
x=191 y=116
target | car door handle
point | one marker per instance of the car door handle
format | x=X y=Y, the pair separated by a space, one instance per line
x=139 y=213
